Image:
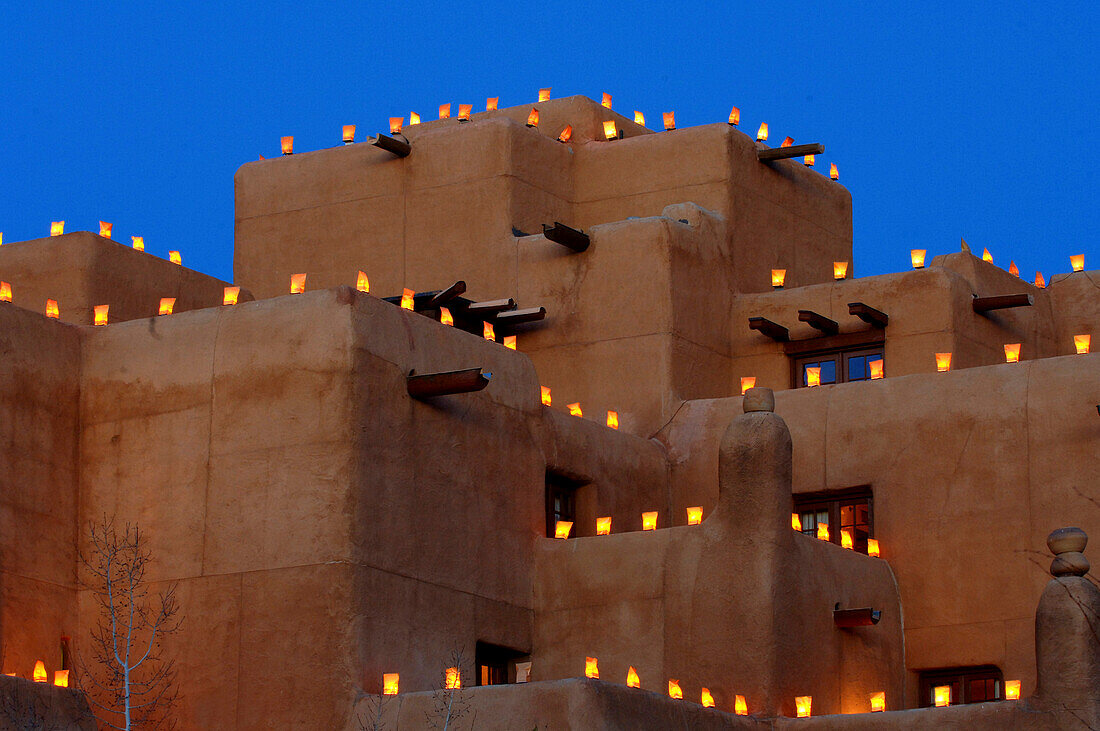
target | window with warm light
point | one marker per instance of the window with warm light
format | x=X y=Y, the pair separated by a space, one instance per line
x=967 y=684
x=846 y=513
x=561 y=501
x=498 y=665
x=838 y=366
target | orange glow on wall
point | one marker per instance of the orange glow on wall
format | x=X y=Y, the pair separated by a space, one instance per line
x=1012 y=352
x=813 y=376
x=808 y=161
x=591 y=668
x=230 y=295
x=167 y=304
x=101 y=314
x=846 y=539
x=491 y=103
x=575 y=409
x=362 y=282
x=787 y=142
x=706 y=699
x=639 y=118
x=464 y=111
x=57 y=228
x=105 y=229
x=414 y=118
x=1013 y=269
x=878 y=702
x=5 y=292
x=747 y=382
x=1012 y=690
x=834 y=174
x=872 y=547
x=802 y=705
x=1081 y=344
x=762 y=132
x=986 y=256
x=649 y=520
x=175 y=258
x=347 y=132
x=735 y=116
x=1077 y=261
x=390 y=683
x=632 y=680
x=566 y=134
x=510 y=342
x=446 y=317
x=61 y=678
x=740 y=707
x=840 y=269
x=545 y=392
x=943 y=362
x=452 y=679
x=941 y=694
x=876 y=369
x=297 y=283
x=603 y=526
x=609 y=129
x=488 y=332
x=544 y=94
x=796 y=522
x=669 y=119
x=612 y=419
x=674 y=690
x=287 y=144
x=51 y=309
x=445 y=111
x=917 y=257
x=778 y=277
x=138 y=242
x=562 y=529
x=823 y=531
x=606 y=100
x=39 y=675
x=533 y=118
x=695 y=516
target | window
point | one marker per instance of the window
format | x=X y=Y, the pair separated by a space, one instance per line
x=967 y=685
x=561 y=500
x=496 y=665
x=842 y=511
x=841 y=366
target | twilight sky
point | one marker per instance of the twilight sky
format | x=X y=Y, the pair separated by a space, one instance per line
x=945 y=119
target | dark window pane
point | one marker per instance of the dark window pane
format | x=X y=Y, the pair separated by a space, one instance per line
x=857 y=368
x=828 y=371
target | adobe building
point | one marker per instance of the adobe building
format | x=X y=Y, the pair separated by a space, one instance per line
x=348 y=500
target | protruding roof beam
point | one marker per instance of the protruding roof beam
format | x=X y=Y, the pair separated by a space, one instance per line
x=773 y=330
x=491 y=307
x=442 y=298
x=783 y=153
x=819 y=322
x=873 y=317
x=568 y=237
x=516 y=317
x=392 y=145
x=446 y=383
x=1002 y=302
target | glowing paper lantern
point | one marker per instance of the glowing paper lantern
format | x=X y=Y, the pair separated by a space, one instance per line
x=846 y=540
x=872 y=547
x=669 y=119
x=834 y=174
x=1080 y=343
x=491 y=103
x=606 y=100
x=297 y=283
x=348 y=131
x=917 y=257
x=986 y=256
x=695 y=516
x=876 y=369
x=444 y=111
x=796 y=523
x=61 y=678
x=747 y=382
x=591 y=668
x=706 y=699
x=813 y=376
x=787 y=142
x=941 y=695
x=762 y=132
x=632 y=680
x=603 y=526
x=1012 y=352
x=649 y=520
x=105 y=229
x=1077 y=261
x=802 y=705
x=57 y=228
x=575 y=409
x=823 y=531
x=609 y=129
x=639 y=118
x=414 y=118
x=39 y=674
x=1012 y=690
x=510 y=342
x=230 y=295
x=878 y=702
x=167 y=304
x=778 y=277
x=1013 y=269
x=446 y=317
x=138 y=242
x=613 y=419
x=488 y=332
x=740 y=707
x=390 y=682
x=175 y=258
x=735 y=116
x=464 y=112
x=943 y=362
x=362 y=282
x=544 y=94
x=1040 y=282
x=51 y=309
x=533 y=118
x=808 y=161
x=101 y=314
x=452 y=679
x=287 y=145
x=562 y=528
x=5 y=292
x=840 y=269
x=674 y=690
x=566 y=134
x=407 y=298
x=545 y=392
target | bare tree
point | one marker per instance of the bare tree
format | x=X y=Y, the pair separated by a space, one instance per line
x=128 y=680
x=451 y=703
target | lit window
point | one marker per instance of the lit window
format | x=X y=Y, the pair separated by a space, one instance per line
x=842 y=510
x=561 y=500
x=497 y=665
x=967 y=684
x=838 y=366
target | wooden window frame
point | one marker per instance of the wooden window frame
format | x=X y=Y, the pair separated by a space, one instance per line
x=560 y=484
x=832 y=501
x=839 y=348
x=500 y=662
x=960 y=676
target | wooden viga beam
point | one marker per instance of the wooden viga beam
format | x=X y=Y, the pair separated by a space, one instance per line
x=446 y=383
x=525 y=314
x=773 y=330
x=489 y=308
x=1002 y=302
x=442 y=298
x=568 y=237
x=392 y=145
x=768 y=154
x=819 y=322
x=873 y=317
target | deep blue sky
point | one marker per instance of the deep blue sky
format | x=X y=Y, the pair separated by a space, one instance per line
x=946 y=119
